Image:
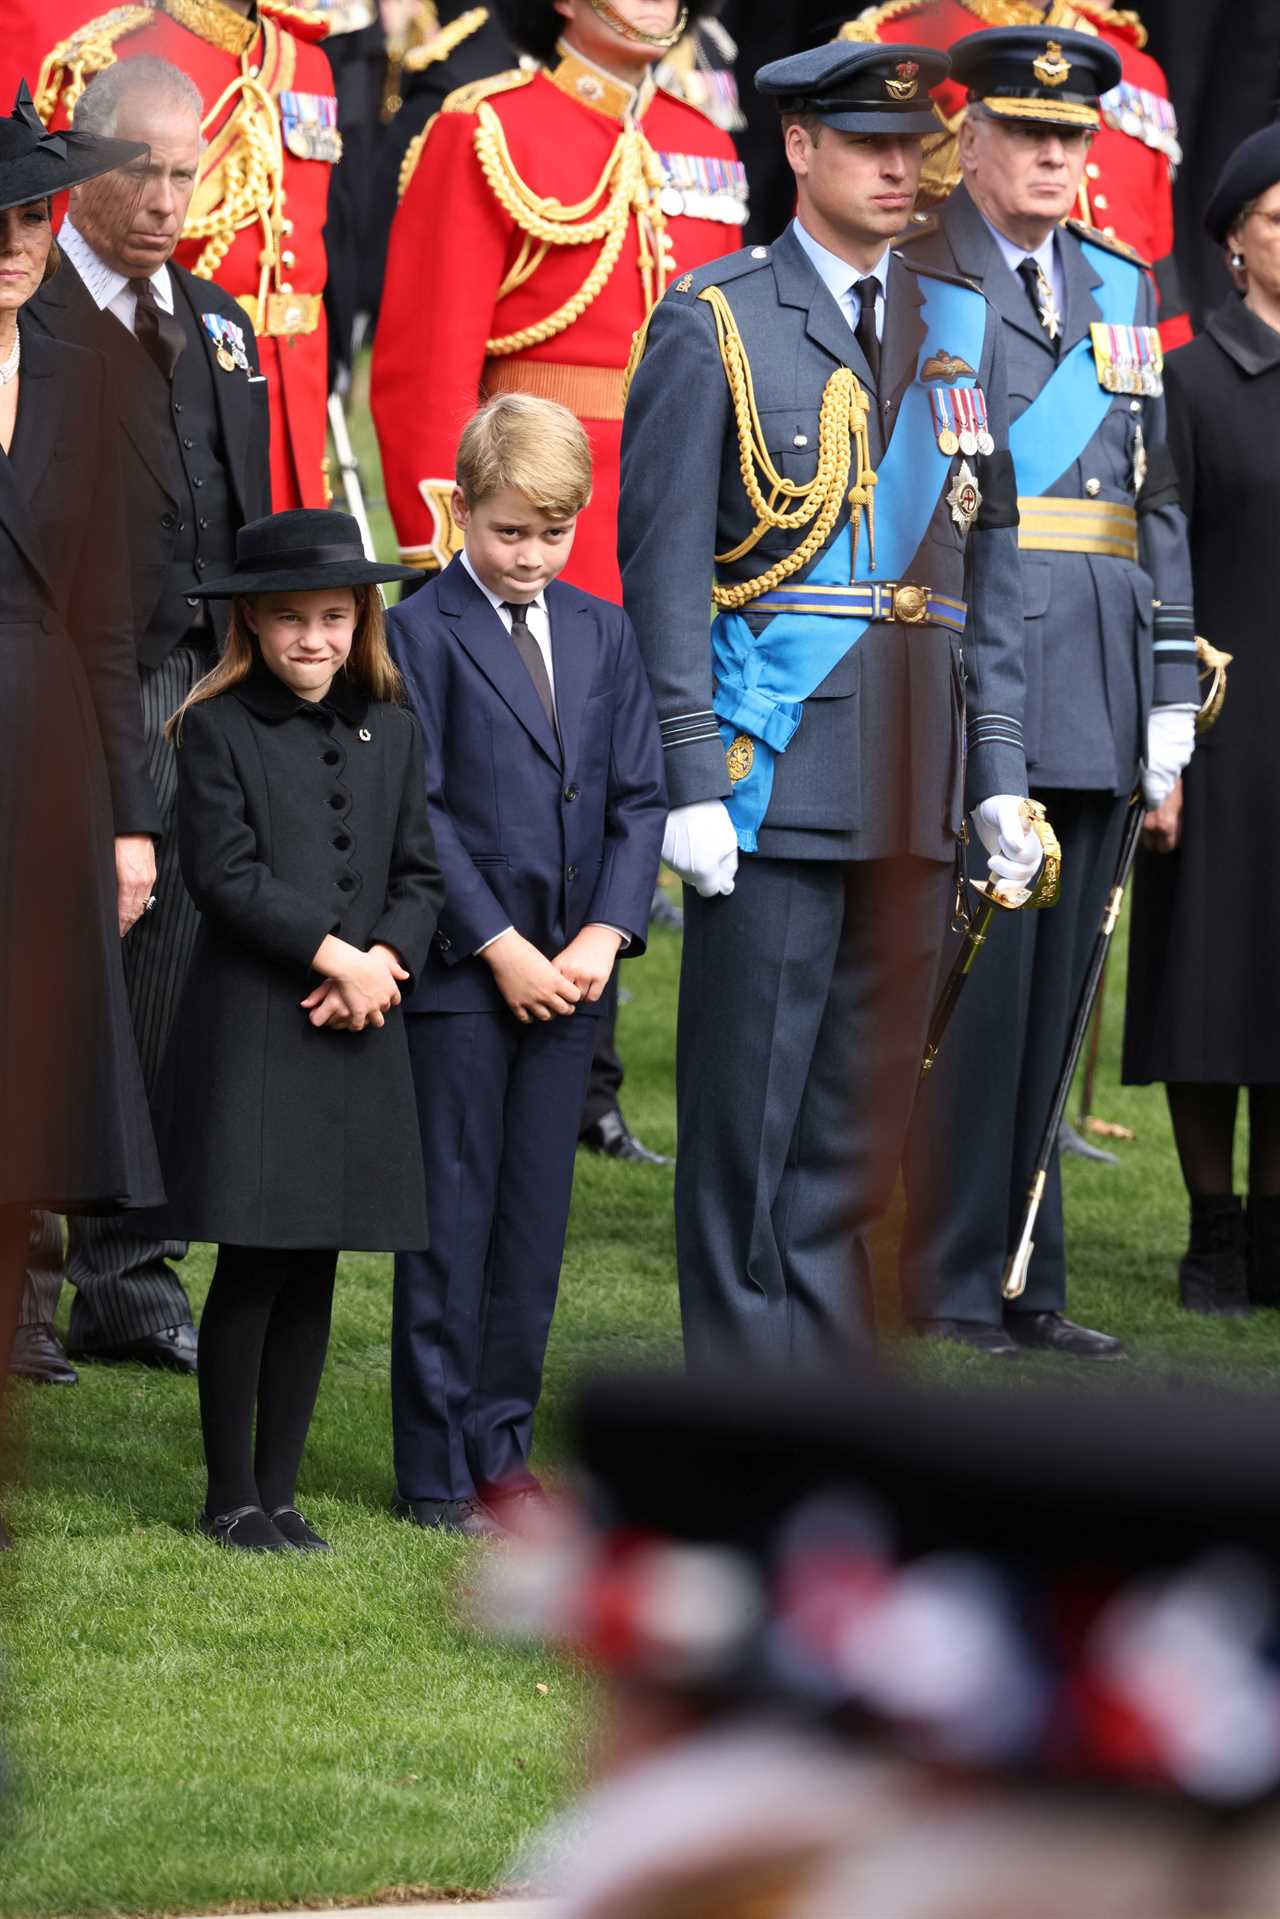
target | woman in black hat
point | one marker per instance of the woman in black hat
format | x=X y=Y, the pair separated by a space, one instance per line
x=304 y=842
x=1205 y=949
x=74 y=1131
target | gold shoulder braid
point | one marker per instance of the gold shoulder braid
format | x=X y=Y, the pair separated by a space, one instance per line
x=68 y=68
x=629 y=186
x=209 y=20
x=842 y=431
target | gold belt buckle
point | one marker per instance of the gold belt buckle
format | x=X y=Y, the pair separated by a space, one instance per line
x=292 y=313
x=910 y=605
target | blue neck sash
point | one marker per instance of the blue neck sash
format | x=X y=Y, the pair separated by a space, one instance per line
x=762 y=682
x=1056 y=428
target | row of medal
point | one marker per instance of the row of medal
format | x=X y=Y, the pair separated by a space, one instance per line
x=960 y=420
x=228 y=342
x=1143 y=116
x=309 y=124
x=703 y=188
x=1128 y=359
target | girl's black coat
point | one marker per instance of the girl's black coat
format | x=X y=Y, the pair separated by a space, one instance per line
x=296 y=820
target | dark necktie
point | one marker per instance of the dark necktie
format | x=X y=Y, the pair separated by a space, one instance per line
x=531 y=653
x=158 y=331
x=1040 y=294
x=867 y=291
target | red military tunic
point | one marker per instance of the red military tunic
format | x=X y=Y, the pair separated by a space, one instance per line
x=1128 y=185
x=484 y=295
x=288 y=107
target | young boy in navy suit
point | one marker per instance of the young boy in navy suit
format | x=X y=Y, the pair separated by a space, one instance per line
x=546 y=794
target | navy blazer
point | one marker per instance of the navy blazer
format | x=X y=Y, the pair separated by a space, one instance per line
x=528 y=837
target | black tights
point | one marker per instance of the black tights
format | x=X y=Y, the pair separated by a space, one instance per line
x=1204 y=1127
x=263 y=1337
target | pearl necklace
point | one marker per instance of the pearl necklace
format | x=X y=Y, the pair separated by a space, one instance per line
x=9 y=367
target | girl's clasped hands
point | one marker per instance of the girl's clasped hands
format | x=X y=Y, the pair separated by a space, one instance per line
x=358 y=988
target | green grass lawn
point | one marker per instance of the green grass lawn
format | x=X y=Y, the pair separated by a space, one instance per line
x=189 y=1730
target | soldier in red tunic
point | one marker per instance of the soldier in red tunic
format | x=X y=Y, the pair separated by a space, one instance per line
x=543 y=213
x=257 y=217
x=1128 y=186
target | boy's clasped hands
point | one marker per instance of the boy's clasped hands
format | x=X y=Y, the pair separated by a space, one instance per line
x=358 y=989
x=536 y=987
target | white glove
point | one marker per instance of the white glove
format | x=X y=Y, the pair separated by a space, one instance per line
x=1171 y=740
x=700 y=844
x=1014 y=852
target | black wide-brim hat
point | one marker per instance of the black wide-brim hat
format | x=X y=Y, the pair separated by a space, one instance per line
x=301 y=551
x=1249 y=170
x=859 y=88
x=36 y=164
x=1036 y=76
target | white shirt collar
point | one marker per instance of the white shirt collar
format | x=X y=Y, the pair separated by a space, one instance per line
x=836 y=274
x=496 y=600
x=103 y=283
x=1013 y=255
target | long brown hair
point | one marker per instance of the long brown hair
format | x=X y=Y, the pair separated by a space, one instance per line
x=368 y=665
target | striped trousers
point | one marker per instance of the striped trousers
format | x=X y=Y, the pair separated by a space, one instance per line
x=125 y=1288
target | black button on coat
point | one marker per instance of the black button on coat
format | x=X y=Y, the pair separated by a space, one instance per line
x=274 y=1133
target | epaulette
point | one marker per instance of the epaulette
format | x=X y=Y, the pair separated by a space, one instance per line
x=718 y=273
x=412 y=155
x=467 y=98
x=922 y=225
x=936 y=273
x=89 y=50
x=1108 y=241
x=301 y=22
x=867 y=24
x=444 y=42
x=1120 y=19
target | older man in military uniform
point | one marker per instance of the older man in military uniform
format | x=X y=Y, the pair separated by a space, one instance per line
x=788 y=453
x=1110 y=658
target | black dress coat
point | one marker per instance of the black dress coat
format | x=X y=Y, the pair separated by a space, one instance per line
x=155 y=487
x=74 y=1131
x=296 y=820
x=1204 y=954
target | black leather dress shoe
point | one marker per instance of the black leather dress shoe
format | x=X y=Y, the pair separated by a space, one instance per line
x=1054 y=1333
x=610 y=1136
x=245 y=1528
x=37 y=1354
x=465 y=1516
x=297 y=1531
x=973 y=1333
x=173 y=1350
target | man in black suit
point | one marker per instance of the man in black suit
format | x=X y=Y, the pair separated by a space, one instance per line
x=191 y=406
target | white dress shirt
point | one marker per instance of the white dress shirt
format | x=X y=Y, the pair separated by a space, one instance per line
x=110 y=291
x=840 y=279
x=1046 y=256
x=539 y=621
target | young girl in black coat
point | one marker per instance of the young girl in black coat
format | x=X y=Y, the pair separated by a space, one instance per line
x=287 y=1115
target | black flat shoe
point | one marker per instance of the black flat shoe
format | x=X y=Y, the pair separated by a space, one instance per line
x=1055 y=1333
x=611 y=1137
x=246 y=1528
x=173 y=1350
x=296 y=1531
x=976 y=1334
x=37 y=1354
x=465 y=1516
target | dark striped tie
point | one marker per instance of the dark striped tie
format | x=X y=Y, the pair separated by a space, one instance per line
x=531 y=653
x=160 y=334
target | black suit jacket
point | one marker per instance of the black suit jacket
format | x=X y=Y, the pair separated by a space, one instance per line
x=151 y=470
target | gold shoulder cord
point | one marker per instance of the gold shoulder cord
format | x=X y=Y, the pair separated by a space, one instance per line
x=629 y=185
x=842 y=430
x=67 y=70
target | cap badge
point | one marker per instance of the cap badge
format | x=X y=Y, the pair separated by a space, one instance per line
x=1050 y=68
x=907 y=83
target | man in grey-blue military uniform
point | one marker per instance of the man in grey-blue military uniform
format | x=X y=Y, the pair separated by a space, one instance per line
x=788 y=455
x=1110 y=660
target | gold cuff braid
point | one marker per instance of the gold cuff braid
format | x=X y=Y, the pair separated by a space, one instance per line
x=842 y=432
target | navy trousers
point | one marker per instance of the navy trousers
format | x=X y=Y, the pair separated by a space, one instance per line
x=499 y=1106
x=804 y=1008
x=981 y=1112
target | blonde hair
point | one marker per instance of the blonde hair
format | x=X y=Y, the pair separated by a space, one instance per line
x=369 y=665
x=535 y=447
